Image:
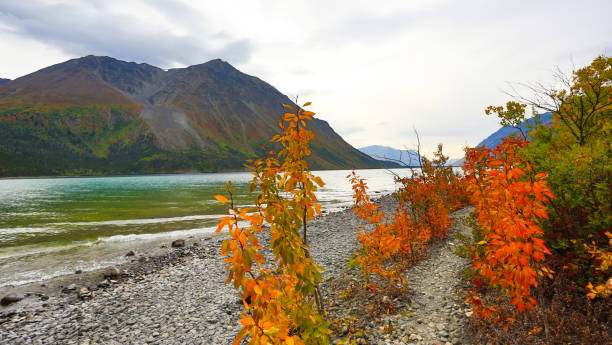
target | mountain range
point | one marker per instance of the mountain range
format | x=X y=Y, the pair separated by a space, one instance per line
x=100 y=115
x=408 y=157
x=386 y=153
x=4 y=81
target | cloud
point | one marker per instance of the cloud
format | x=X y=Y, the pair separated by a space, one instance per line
x=153 y=36
x=376 y=26
x=350 y=130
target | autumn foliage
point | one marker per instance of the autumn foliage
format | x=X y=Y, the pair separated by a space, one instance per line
x=425 y=201
x=541 y=225
x=282 y=304
x=509 y=200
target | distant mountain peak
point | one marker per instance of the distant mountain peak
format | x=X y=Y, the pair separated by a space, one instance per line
x=216 y=65
x=496 y=137
x=218 y=61
x=386 y=153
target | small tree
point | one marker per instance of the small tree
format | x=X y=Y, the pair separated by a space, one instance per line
x=281 y=298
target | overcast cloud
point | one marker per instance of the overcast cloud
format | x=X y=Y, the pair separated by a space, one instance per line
x=374 y=70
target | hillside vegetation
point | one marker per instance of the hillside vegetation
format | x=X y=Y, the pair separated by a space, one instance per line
x=99 y=115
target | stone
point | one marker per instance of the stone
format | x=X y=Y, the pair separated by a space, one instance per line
x=415 y=336
x=69 y=288
x=83 y=293
x=178 y=243
x=111 y=272
x=11 y=298
x=142 y=259
x=130 y=253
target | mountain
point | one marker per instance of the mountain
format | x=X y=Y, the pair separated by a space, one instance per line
x=455 y=162
x=496 y=138
x=386 y=153
x=4 y=81
x=99 y=115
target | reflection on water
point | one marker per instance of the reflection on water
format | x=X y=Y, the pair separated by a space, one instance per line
x=52 y=226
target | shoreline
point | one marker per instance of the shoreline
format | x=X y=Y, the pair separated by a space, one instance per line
x=146 y=259
x=107 y=251
x=170 y=173
x=148 y=256
x=180 y=297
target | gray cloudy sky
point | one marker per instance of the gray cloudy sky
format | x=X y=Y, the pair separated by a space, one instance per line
x=373 y=69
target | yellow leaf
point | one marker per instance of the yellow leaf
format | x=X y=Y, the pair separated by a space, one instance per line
x=288 y=106
x=271 y=332
x=307 y=104
x=257 y=289
x=221 y=199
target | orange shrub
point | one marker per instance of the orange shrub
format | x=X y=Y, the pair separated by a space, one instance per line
x=281 y=299
x=509 y=201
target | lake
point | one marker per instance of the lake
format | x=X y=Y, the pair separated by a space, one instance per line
x=54 y=226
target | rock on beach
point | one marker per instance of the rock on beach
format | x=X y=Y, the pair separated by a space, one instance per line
x=11 y=298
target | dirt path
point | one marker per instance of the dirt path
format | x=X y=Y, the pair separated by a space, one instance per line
x=433 y=311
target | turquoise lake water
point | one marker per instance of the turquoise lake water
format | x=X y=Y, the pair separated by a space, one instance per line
x=54 y=226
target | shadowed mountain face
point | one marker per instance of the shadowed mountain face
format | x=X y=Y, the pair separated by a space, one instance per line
x=102 y=115
x=4 y=81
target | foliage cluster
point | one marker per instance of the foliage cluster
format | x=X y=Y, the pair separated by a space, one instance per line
x=425 y=201
x=530 y=243
x=509 y=199
x=575 y=154
x=281 y=298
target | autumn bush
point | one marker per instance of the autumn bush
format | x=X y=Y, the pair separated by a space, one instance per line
x=282 y=304
x=509 y=200
x=557 y=252
x=389 y=246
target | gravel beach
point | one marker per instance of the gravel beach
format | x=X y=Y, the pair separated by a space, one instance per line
x=179 y=297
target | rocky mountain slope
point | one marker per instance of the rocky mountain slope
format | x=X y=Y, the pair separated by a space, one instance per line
x=96 y=115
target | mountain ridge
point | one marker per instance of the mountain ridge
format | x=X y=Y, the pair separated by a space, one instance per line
x=387 y=153
x=114 y=116
x=496 y=137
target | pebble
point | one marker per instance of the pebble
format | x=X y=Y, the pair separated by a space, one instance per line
x=11 y=298
x=178 y=243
